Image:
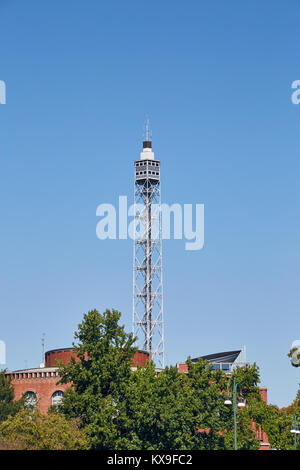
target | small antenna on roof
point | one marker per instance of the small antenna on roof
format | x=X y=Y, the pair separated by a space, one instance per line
x=148 y=131
x=43 y=346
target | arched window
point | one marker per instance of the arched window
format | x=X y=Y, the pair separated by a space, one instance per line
x=57 y=397
x=30 y=400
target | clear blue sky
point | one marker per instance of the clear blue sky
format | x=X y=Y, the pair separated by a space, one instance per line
x=215 y=78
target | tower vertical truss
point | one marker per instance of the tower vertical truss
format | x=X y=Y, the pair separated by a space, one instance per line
x=148 y=321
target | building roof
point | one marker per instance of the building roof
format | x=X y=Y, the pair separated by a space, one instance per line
x=72 y=349
x=37 y=369
x=227 y=356
x=59 y=349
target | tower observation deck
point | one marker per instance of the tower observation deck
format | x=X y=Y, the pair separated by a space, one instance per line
x=148 y=322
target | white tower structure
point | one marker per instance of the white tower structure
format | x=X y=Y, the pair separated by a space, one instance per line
x=148 y=321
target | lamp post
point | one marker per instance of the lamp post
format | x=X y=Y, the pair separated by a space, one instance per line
x=295 y=430
x=241 y=404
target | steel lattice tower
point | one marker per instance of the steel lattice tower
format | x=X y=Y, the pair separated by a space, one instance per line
x=148 y=321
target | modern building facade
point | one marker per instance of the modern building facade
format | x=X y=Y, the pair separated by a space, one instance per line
x=225 y=361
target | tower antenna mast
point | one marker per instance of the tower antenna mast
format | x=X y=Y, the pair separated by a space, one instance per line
x=148 y=321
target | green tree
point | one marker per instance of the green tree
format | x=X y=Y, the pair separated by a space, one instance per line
x=157 y=412
x=206 y=386
x=294 y=407
x=149 y=409
x=276 y=422
x=210 y=389
x=248 y=378
x=33 y=431
x=171 y=410
x=99 y=377
x=246 y=435
x=8 y=405
x=121 y=409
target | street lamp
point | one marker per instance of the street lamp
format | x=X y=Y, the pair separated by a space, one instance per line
x=227 y=401
x=295 y=430
x=241 y=404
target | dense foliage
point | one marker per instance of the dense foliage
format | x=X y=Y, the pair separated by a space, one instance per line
x=8 y=406
x=147 y=409
x=32 y=431
x=111 y=406
x=101 y=376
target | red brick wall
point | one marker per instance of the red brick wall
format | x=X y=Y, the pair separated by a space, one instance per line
x=140 y=358
x=182 y=367
x=58 y=355
x=43 y=387
x=64 y=356
x=264 y=394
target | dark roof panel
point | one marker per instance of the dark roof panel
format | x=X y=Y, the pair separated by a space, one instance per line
x=227 y=356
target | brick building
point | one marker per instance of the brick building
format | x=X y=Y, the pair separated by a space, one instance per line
x=41 y=384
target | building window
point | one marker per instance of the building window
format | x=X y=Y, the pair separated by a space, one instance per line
x=30 y=400
x=57 y=397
